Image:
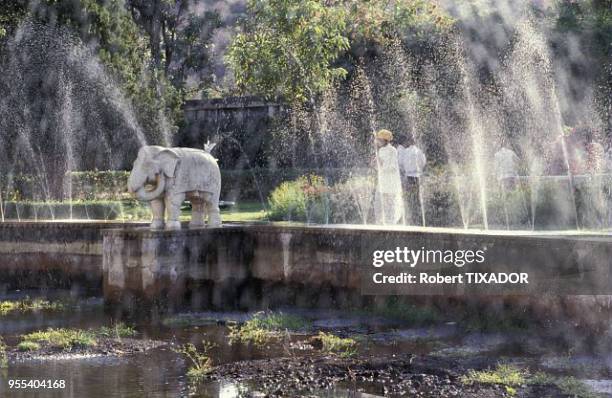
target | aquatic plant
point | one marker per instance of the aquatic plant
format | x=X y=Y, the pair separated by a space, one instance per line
x=28 y=346
x=200 y=360
x=345 y=347
x=117 y=330
x=29 y=305
x=65 y=339
x=503 y=374
x=572 y=387
x=263 y=327
x=569 y=386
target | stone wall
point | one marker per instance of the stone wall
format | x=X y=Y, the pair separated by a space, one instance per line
x=274 y=265
x=263 y=266
x=240 y=125
x=36 y=255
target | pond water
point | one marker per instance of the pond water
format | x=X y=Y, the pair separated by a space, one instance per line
x=161 y=372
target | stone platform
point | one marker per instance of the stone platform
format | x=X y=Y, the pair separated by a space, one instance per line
x=261 y=266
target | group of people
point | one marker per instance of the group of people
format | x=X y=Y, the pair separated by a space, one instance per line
x=398 y=185
x=400 y=169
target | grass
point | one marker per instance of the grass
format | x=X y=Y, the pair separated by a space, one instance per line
x=28 y=346
x=241 y=212
x=574 y=388
x=245 y=211
x=263 y=327
x=67 y=339
x=201 y=363
x=504 y=375
x=28 y=305
x=118 y=330
x=345 y=347
x=569 y=386
x=512 y=377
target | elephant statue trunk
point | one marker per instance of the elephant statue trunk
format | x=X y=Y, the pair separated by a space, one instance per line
x=148 y=195
x=178 y=174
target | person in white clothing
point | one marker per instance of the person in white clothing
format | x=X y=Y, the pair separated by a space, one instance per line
x=506 y=168
x=412 y=162
x=388 y=207
x=411 y=158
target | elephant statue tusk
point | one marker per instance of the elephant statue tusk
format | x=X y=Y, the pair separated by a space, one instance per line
x=147 y=196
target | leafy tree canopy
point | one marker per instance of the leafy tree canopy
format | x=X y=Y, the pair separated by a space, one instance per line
x=290 y=48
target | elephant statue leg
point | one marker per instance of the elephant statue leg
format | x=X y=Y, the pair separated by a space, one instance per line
x=197 y=213
x=212 y=209
x=173 y=205
x=158 y=209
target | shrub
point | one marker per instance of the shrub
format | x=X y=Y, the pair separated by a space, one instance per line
x=99 y=185
x=304 y=199
x=351 y=201
x=95 y=210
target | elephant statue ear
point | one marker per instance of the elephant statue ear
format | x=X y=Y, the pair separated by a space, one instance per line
x=168 y=160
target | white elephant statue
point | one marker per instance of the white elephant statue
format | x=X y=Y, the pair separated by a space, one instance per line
x=165 y=177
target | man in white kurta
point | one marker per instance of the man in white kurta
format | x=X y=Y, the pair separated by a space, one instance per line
x=412 y=161
x=389 y=206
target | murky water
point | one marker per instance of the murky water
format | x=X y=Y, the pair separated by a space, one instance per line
x=161 y=372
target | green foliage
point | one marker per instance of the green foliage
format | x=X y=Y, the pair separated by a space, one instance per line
x=117 y=330
x=11 y=13
x=100 y=184
x=28 y=346
x=68 y=339
x=351 y=200
x=511 y=377
x=109 y=28
x=94 y=210
x=380 y=21
x=65 y=339
x=264 y=327
x=504 y=375
x=29 y=305
x=288 y=49
x=572 y=387
x=345 y=347
x=304 y=199
x=569 y=386
x=201 y=363
x=292 y=48
x=3 y=355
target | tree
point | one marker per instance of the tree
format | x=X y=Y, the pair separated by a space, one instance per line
x=108 y=27
x=289 y=48
x=178 y=37
x=292 y=48
x=11 y=13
